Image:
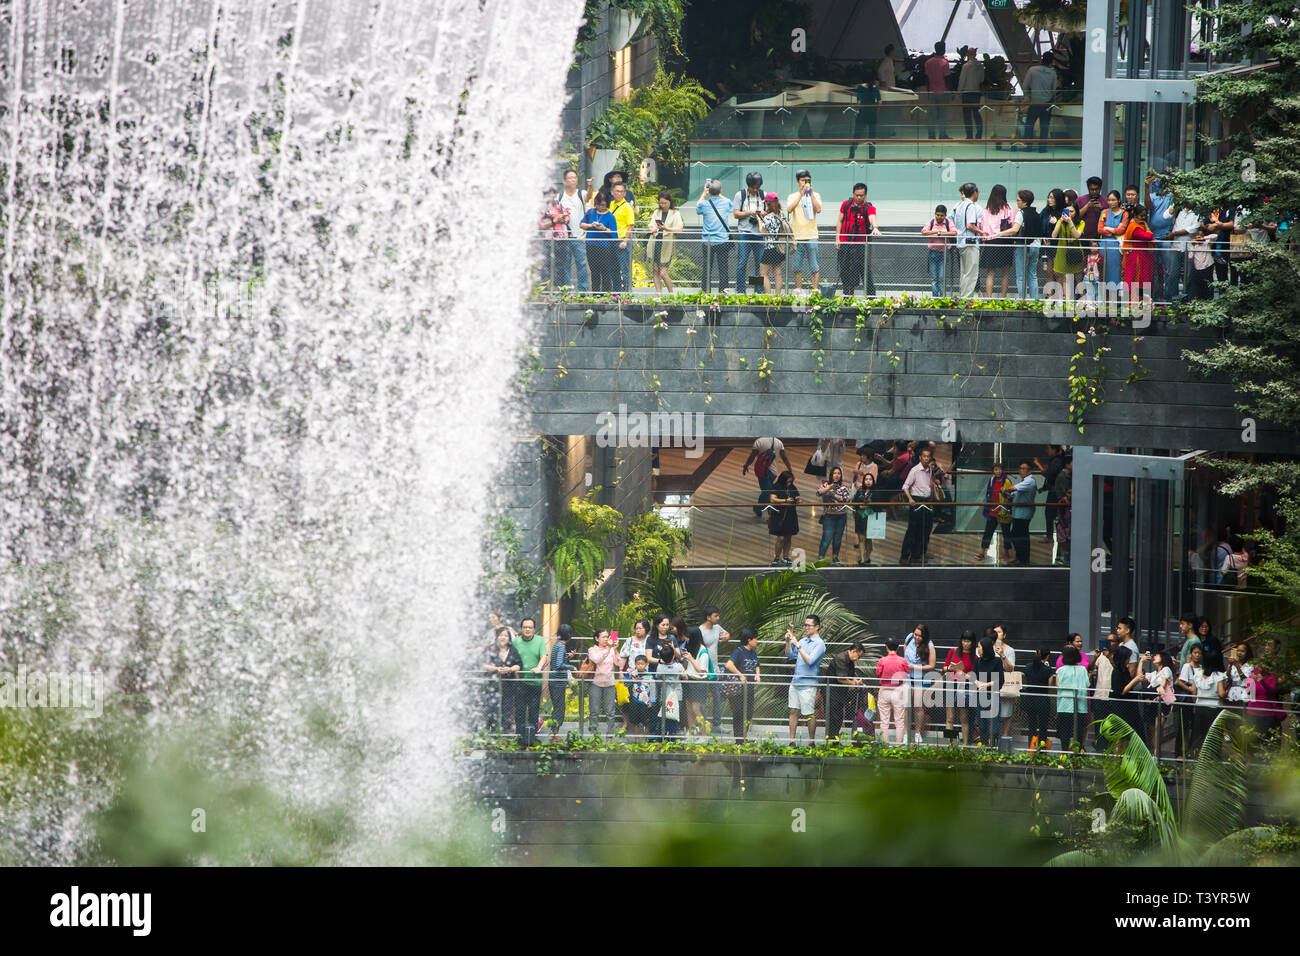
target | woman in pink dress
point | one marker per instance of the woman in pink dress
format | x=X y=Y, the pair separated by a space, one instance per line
x=1139 y=257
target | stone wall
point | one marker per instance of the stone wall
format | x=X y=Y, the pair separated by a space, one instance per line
x=995 y=376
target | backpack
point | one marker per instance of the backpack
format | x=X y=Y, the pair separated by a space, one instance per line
x=1032 y=224
x=1008 y=498
x=764 y=461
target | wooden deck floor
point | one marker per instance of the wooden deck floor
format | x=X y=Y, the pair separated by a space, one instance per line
x=733 y=537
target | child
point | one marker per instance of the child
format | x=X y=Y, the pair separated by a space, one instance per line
x=995 y=513
x=640 y=706
x=939 y=228
x=1202 y=264
x=1092 y=272
x=670 y=691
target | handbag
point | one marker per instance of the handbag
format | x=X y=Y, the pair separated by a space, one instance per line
x=817 y=463
x=621 y=694
x=876 y=526
x=1012 y=683
x=1237 y=244
x=1073 y=253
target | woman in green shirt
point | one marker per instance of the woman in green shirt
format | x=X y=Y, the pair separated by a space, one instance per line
x=1071 y=682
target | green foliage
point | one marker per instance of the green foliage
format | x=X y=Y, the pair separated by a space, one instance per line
x=577 y=544
x=665 y=21
x=1259 y=320
x=505 y=568
x=652 y=541
x=657 y=120
x=768 y=602
x=662 y=593
x=1145 y=824
x=862 y=748
x=594 y=615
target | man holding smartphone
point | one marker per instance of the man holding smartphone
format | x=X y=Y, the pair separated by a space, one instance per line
x=804 y=205
x=807 y=652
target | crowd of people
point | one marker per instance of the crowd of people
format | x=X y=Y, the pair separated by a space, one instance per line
x=1135 y=244
x=668 y=680
x=904 y=474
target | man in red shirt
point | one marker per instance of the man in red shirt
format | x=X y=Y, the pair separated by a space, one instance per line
x=936 y=77
x=857 y=222
x=891 y=699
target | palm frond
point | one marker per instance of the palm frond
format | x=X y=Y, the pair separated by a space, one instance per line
x=1216 y=798
x=1237 y=848
x=662 y=593
x=1136 y=809
x=1079 y=858
x=1136 y=768
x=769 y=602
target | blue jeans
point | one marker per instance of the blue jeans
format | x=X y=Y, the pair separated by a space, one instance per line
x=1027 y=272
x=805 y=259
x=749 y=245
x=832 y=534
x=766 y=482
x=936 y=259
x=624 y=267
x=574 y=250
x=1169 y=261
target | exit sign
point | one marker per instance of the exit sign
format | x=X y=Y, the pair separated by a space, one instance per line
x=999 y=4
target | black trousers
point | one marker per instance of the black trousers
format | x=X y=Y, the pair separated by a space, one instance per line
x=603 y=263
x=841 y=709
x=920 y=522
x=1038 y=113
x=851 y=259
x=1020 y=538
x=1070 y=727
x=971 y=116
x=990 y=526
x=528 y=708
x=1037 y=714
x=557 y=689
x=717 y=264
x=742 y=708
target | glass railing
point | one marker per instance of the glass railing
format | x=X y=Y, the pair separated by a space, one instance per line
x=890 y=264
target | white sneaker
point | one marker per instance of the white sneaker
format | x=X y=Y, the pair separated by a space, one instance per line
x=916 y=739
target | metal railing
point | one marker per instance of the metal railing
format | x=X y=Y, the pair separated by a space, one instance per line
x=891 y=263
x=932 y=710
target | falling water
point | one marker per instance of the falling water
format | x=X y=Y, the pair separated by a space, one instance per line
x=261 y=313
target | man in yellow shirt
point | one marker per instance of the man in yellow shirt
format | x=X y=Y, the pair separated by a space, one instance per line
x=624 y=215
x=803 y=206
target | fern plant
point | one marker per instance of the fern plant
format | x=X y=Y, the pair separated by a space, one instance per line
x=577 y=544
x=657 y=120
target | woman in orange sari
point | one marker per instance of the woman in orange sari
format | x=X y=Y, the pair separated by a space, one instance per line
x=1139 y=256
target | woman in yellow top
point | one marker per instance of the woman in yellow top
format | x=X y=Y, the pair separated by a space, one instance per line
x=665 y=221
x=1064 y=231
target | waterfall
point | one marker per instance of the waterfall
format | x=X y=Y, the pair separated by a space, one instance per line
x=261 y=313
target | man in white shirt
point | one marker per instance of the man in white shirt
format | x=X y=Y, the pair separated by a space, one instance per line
x=1125 y=629
x=574 y=203
x=763 y=457
x=714 y=634
x=966 y=220
x=885 y=68
x=1040 y=88
x=969 y=85
x=1180 y=238
x=919 y=489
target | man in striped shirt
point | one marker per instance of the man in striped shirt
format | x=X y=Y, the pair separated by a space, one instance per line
x=919 y=488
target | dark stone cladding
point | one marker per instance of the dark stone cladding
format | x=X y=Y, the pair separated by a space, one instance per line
x=998 y=375
x=557 y=807
x=1032 y=603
